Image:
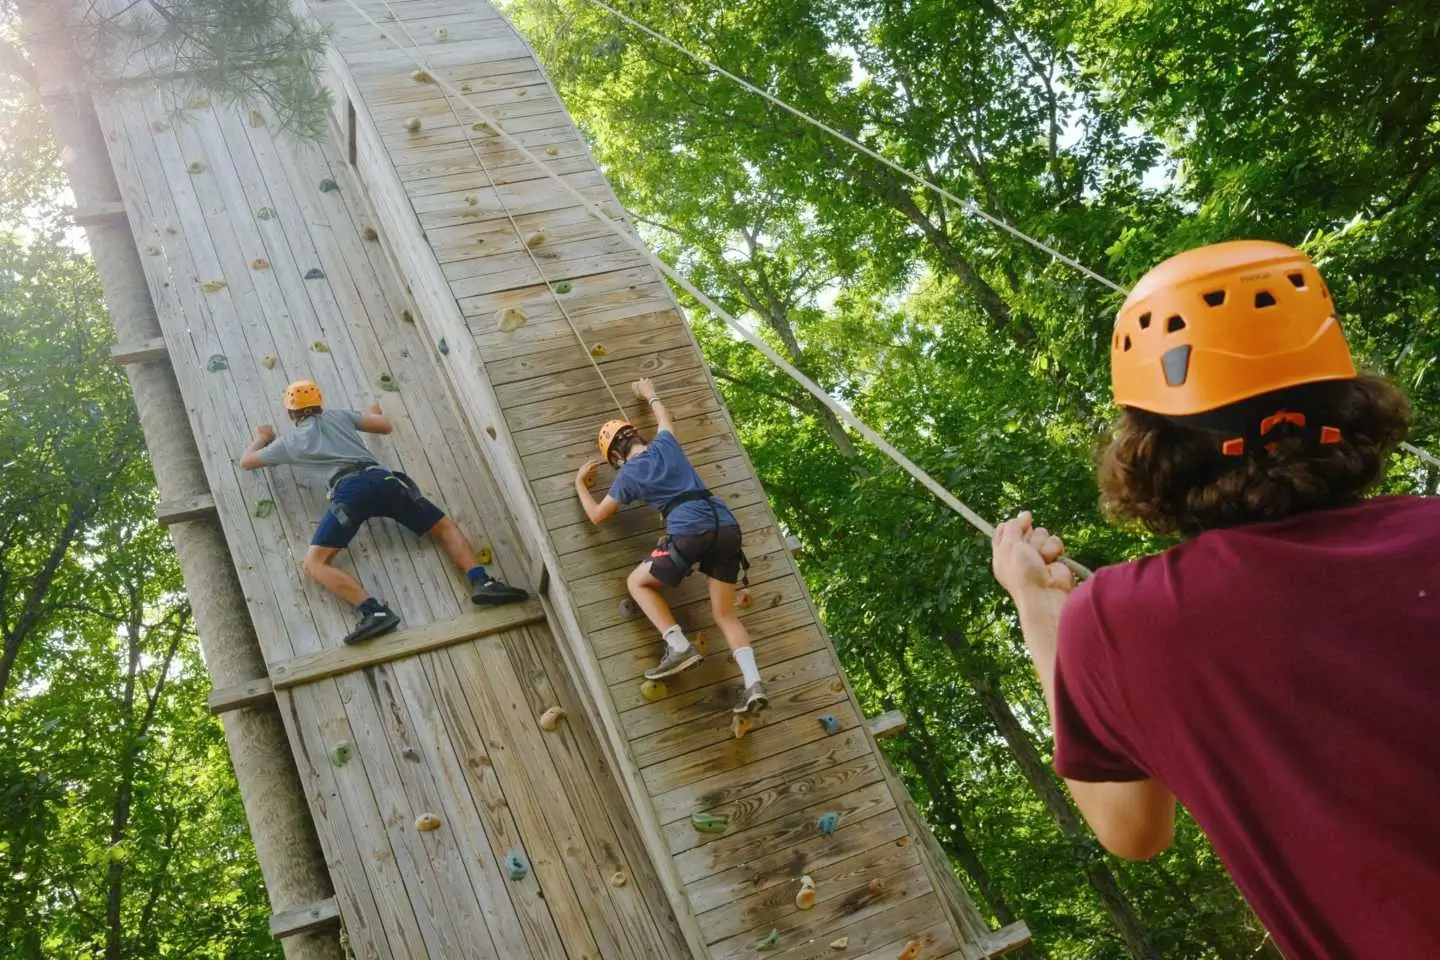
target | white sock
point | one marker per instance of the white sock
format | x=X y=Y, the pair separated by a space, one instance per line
x=745 y=657
x=674 y=638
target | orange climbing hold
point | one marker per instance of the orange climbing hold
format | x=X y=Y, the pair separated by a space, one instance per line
x=805 y=899
x=911 y=951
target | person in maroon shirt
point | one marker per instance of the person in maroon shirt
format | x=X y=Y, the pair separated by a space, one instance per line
x=1277 y=672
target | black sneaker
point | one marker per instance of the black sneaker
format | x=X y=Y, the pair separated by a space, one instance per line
x=376 y=623
x=491 y=592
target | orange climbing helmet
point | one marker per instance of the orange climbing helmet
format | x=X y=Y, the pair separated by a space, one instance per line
x=615 y=432
x=1222 y=324
x=302 y=395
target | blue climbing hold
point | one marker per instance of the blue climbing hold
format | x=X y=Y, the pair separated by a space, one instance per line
x=827 y=823
x=830 y=723
x=315 y=273
x=515 y=864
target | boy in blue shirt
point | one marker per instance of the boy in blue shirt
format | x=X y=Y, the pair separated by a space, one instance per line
x=327 y=443
x=699 y=530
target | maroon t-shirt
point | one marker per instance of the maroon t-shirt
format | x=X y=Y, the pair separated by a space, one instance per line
x=1283 y=680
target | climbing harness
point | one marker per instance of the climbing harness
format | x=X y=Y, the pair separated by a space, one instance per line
x=668 y=547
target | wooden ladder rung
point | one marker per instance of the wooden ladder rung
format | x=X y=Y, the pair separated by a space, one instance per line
x=198 y=507
x=891 y=723
x=99 y=213
x=140 y=352
x=256 y=693
x=1007 y=939
x=304 y=919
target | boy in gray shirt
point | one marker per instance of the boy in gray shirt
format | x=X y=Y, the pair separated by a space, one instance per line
x=327 y=443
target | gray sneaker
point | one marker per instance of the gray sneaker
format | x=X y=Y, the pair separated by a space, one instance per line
x=752 y=699
x=674 y=661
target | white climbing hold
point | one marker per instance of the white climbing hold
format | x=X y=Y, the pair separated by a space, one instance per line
x=441 y=35
x=412 y=124
x=840 y=943
x=510 y=319
x=551 y=718
x=427 y=822
x=618 y=879
x=195 y=166
x=535 y=239
x=268 y=361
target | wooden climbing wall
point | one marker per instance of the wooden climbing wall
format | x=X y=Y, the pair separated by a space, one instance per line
x=480 y=231
x=256 y=252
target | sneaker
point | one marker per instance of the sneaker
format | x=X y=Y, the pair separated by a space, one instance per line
x=674 y=662
x=492 y=593
x=752 y=699
x=376 y=623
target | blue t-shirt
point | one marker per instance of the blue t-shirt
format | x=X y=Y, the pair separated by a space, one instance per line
x=659 y=475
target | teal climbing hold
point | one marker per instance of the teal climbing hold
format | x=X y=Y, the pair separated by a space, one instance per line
x=329 y=186
x=515 y=864
x=315 y=273
x=444 y=347
x=828 y=822
x=387 y=383
x=217 y=362
x=829 y=722
x=264 y=508
x=709 y=823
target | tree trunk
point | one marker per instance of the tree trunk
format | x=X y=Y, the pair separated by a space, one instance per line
x=1121 y=912
x=34 y=606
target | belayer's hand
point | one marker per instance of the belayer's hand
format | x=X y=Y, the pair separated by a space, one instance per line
x=1025 y=560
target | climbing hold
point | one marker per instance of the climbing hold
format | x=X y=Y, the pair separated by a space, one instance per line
x=369 y=233
x=510 y=319
x=535 y=239
x=491 y=432
x=257 y=119
x=264 y=213
x=195 y=166
x=912 y=950
x=441 y=35
x=551 y=718
x=598 y=350
x=407 y=316
x=259 y=263
x=521 y=92
x=387 y=383
x=153 y=251
x=444 y=347
x=329 y=186
x=199 y=103
x=421 y=76
x=552 y=151
x=805 y=899
x=314 y=273
x=741 y=724
x=217 y=362
x=320 y=346
x=389 y=15
x=710 y=822
x=515 y=864
x=412 y=124
x=653 y=690
x=829 y=722
x=769 y=942
x=484 y=555
x=700 y=642
x=411 y=754
x=837 y=687
x=211 y=286
x=427 y=822
x=618 y=879
x=746 y=599
x=903 y=842
x=563 y=287
x=839 y=943
x=828 y=822
x=264 y=508
x=340 y=754
x=171 y=228
x=465 y=88
x=159 y=126
x=629 y=608
x=877 y=887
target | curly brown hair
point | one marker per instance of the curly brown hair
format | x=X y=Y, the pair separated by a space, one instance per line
x=1173 y=478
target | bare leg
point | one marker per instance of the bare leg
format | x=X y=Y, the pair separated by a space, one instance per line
x=645 y=590
x=317 y=567
x=722 y=608
x=452 y=540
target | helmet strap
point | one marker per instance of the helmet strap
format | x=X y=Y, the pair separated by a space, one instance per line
x=1258 y=423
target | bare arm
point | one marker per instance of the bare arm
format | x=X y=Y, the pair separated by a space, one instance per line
x=264 y=436
x=1133 y=820
x=645 y=389
x=374 y=421
x=597 y=512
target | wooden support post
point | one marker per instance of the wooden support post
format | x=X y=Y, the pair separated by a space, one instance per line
x=1006 y=940
x=540 y=574
x=256 y=693
x=153 y=349
x=304 y=919
x=891 y=723
x=201 y=506
x=99 y=213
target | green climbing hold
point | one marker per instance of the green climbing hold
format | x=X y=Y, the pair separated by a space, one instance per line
x=388 y=383
x=264 y=508
x=340 y=754
x=329 y=186
x=516 y=866
x=769 y=942
x=315 y=273
x=264 y=213
x=709 y=822
x=828 y=822
x=320 y=346
x=563 y=286
x=217 y=362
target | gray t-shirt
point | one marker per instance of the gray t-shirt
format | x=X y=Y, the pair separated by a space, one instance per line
x=324 y=443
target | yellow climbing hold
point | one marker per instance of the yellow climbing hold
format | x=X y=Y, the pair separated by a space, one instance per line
x=741 y=724
x=427 y=822
x=552 y=151
x=195 y=166
x=441 y=35
x=551 y=718
x=598 y=350
x=422 y=76
x=618 y=879
x=535 y=239
x=320 y=346
x=521 y=92
x=212 y=286
x=259 y=263
x=805 y=899
x=471 y=200
x=510 y=319
x=412 y=124
x=484 y=555
x=465 y=88
x=653 y=690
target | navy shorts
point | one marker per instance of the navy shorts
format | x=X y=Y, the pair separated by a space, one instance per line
x=717 y=553
x=373 y=493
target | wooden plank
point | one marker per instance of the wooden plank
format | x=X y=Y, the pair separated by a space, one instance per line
x=405 y=643
x=891 y=723
x=304 y=919
x=1006 y=940
x=99 y=213
x=199 y=507
x=256 y=693
x=140 y=352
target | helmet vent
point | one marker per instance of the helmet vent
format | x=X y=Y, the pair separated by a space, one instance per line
x=1126 y=345
x=1215 y=298
x=1297 y=280
x=1144 y=321
x=1175 y=324
x=1264 y=299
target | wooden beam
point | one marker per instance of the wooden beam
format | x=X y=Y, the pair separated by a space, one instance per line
x=304 y=919
x=1006 y=940
x=406 y=643
x=793 y=544
x=140 y=352
x=253 y=694
x=540 y=574
x=99 y=213
x=891 y=723
x=198 y=507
